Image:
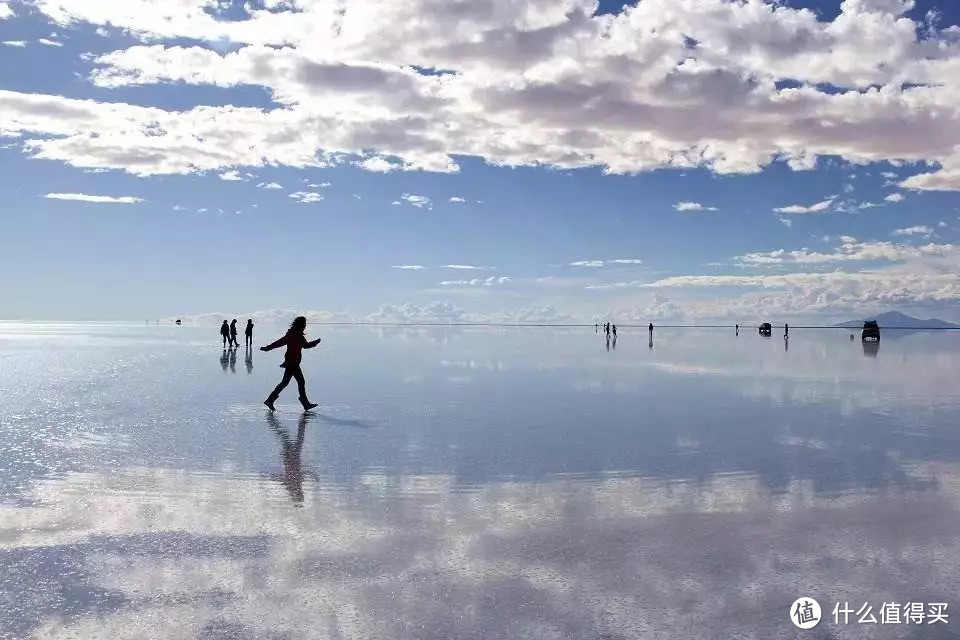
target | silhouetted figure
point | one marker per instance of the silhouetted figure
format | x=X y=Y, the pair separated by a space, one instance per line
x=178 y=322
x=233 y=360
x=738 y=329
x=293 y=474
x=596 y=327
x=650 y=327
x=248 y=360
x=295 y=342
x=224 y=360
x=248 y=333
x=786 y=331
x=614 y=333
x=225 y=332
x=233 y=333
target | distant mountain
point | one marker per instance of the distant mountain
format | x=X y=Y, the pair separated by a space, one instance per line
x=895 y=319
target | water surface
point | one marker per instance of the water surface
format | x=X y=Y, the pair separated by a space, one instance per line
x=474 y=483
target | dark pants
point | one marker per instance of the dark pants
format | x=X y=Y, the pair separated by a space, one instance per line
x=225 y=339
x=291 y=371
x=249 y=339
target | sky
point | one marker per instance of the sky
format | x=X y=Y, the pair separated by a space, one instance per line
x=480 y=160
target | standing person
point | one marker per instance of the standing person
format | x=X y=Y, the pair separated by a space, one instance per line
x=248 y=333
x=738 y=329
x=225 y=332
x=614 y=332
x=295 y=342
x=786 y=331
x=233 y=333
x=650 y=327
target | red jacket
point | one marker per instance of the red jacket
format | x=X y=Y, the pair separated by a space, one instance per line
x=295 y=342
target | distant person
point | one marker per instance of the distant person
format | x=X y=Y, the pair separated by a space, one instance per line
x=614 y=333
x=786 y=331
x=650 y=327
x=295 y=341
x=248 y=333
x=225 y=332
x=233 y=333
x=596 y=327
x=738 y=329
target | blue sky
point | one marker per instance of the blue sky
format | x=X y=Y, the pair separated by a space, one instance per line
x=672 y=160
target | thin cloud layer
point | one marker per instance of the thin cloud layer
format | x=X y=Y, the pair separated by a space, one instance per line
x=692 y=206
x=818 y=207
x=663 y=84
x=83 y=197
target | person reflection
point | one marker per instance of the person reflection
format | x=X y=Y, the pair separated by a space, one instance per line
x=614 y=341
x=248 y=359
x=233 y=360
x=650 y=341
x=293 y=473
x=224 y=360
x=608 y=342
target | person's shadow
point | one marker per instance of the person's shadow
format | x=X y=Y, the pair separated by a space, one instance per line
x=293 y=472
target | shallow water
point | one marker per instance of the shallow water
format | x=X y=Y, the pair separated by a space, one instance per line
x=474 y=483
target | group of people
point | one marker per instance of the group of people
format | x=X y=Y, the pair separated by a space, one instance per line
x=611 y=329
x=229 y=333
x=294 y=340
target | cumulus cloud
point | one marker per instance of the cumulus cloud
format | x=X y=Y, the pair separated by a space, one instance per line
x=232 y=176
x=5 y=10
x=457 y=199
x=14 y=43
x=306 y=197
x=819 y=207
x=537 y=84
x=270 y=185
x=83 y=197
x=692 y=206
x=852 y=251
x=420 y=202
x=919 y=230
x=49 y=43
x=894 y=197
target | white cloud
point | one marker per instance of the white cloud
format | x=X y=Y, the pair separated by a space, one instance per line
x=539 y=84
x=603 y=263
x=420 y=202
x=306 y=197
x=869 y=205
x=457 y=199
x=692 y=206
x=894 y=197
x=818 y=207
x=5 y=10
x=15 y=43
x=851 y=252
x=410 y=267
x=477 y=282
x=49 y=43
x=587 y=263
x=889 y=175
x=270 y=185
x=942 y=224
x=232 y=176
x=82 y=197
x=465 y=267
x=919 y=230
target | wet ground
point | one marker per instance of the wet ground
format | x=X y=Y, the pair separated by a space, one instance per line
x=468 y=483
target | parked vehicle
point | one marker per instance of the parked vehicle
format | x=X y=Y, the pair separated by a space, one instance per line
x=871 y=331
x=766 y=329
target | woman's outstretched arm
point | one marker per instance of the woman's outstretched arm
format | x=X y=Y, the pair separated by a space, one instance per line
x=273 y=345
x=310 y=344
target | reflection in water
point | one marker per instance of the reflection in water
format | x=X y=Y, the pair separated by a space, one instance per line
x=564 y=494
x=293 y=473
x=224 y=361
x=871 y=349
x=248 y=359
x=233 y=360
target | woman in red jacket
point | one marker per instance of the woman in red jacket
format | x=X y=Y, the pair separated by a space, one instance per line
x=295 y=342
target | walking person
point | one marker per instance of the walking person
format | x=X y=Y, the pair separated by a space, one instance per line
x=786 y=331
x=233 y=333
x=614 y=333
x=295 y=341
x=248 y=333
x=225 y=332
